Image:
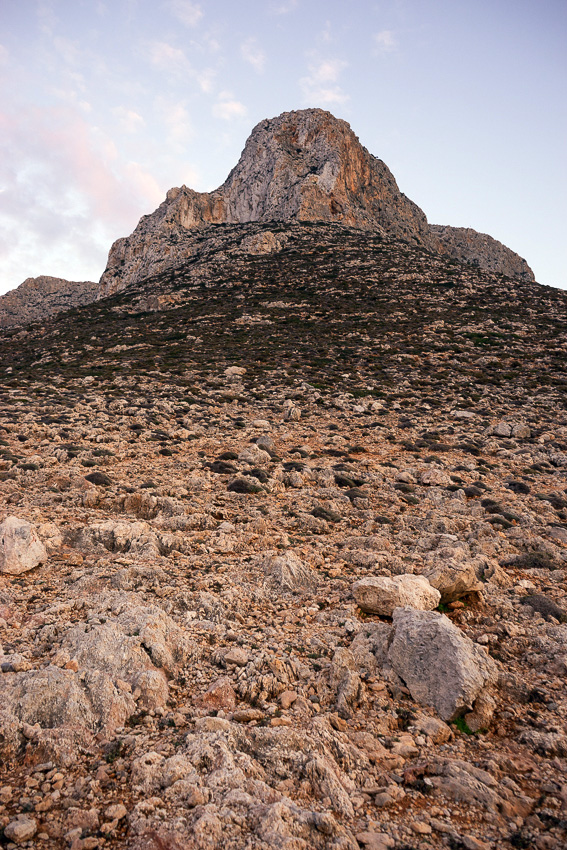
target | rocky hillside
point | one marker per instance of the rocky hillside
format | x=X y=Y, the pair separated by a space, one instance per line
x=39 y=297
x=283 y=555
x=301 y=166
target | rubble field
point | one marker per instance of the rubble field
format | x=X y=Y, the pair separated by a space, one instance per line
x=283 y=549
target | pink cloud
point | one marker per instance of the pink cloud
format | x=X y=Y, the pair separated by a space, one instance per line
x=65 y=190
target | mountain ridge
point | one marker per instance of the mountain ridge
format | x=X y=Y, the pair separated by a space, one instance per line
x=39 y=297
x=301 y=166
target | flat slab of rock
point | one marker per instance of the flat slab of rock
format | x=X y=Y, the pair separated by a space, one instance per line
x=440 y=666
x=382 y=595
x=20 y=548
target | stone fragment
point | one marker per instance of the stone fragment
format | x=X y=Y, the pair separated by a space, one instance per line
x=116 y=811
x=21 y=830
x=421 y=828
x=288 y=572
x=435 y=729
x=440 y=666
x=219 y=695
x=20 y=547
x=521 y=431
x=236 y=656
x=254 y=455
x=382 y=594
x=481 y=717
x=247 y=715
x=502 y=429
x=287 y=698
x=232 y=372
x=463 y=782
x=345 y=681
x=434 y=478
x=375 y=840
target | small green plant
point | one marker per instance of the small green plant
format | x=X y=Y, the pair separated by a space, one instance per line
x=462 y=725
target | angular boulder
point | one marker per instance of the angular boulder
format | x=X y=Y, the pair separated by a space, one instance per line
x=453 y=580
x=288 y=572
x=382 y=595
x=20 y=548
x=440 y=666
x=434 y=478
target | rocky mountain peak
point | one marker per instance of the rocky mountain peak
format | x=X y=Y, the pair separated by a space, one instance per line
x=304 y=165
x=310 y=166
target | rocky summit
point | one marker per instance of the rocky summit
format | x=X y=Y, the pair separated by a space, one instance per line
x=283 y=548
x=301 y=166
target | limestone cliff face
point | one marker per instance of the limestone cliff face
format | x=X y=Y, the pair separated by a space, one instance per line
x=302 y=166
x=39 y=297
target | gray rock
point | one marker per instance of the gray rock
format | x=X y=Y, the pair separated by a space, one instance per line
x=254 y=455
x=453 y=580
x=136 y=538
x=382 y=595
x=20 y=547
x=21 y=830
x=434 y=478
x=345 y=681
x=304 y=166
x=288 y=572
x=440 y=666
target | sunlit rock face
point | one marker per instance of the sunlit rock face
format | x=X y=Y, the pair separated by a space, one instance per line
x=301 y=166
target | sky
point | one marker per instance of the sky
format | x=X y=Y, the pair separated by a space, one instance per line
x=106 y=104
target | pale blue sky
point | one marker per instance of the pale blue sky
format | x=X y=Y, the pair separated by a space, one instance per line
x=105 y=105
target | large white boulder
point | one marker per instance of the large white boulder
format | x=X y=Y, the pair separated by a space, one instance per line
x=20 y=547
x=382 y=595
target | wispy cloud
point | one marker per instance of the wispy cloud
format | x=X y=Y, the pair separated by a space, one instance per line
x=205 y=79
x=176 y=119
x=130 y=120
x=284 y=8
x=72 y=190
x=188 y=13
x=4 y=55
x=321 y=86
x=69 y=50
x=228 y=108
x=253 y=54
x=170 y=59
x=385 y=41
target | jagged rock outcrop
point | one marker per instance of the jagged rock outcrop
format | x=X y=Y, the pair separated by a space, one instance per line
x=38 y=297
x=479 y=249
x=302 y=166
